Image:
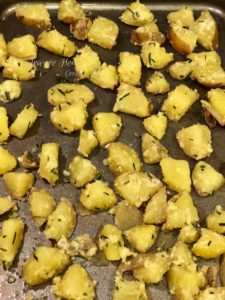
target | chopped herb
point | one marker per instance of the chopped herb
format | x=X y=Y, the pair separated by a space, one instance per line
x=60 y=108
x=174 y=107
x=118 y=125
x=116 y=287
x=150 y=175
x=14 y=238
x=59 y=220
x=35 y=257
x=209 y=243
x=0 y=133
x=54 y=171
x=124 y=96
x=126 y=182
x=61 y=91
x=150 y=59
x=134 y=166
x=211 y=292
x=4 y=236
x=18 y=64
x=221 y=224
x=103 y=237
x=153 y=236
x=68 y=103
x=63 y=50
x=84 y=294
x=7 y=95
x=2 y=249
x=190 y=139
x=202 y=167
x=28 y=106
x=31 y=70
x=88 y=196
x=218 y=212
x=106 y=193
x=99 y=176
x=135 y=14
x=28 y=126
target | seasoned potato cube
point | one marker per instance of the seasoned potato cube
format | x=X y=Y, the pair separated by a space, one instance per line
x=173 y=107
x=131 y=100
x=105 y=76
x=137 y=14
x=87 y=142
x=103 y=32
x=209 y=245
x=49 y=164
x=157 y=84
x=35 y=15
x=183 y=16
x=216 y=220
x=212 y=293
x=6 y=204
x=18 y=69
x=147 y=33
x=107 y=127
x=155 y=266
x=80 y=28
x=81 y=171
x=180 y=69
x=86 y=62
x=11 y=239
x=122 y=158
x=98 y=196
x=205 y=28
x=180 y=211
x=18 y=184
x=7 y=161
x=4 y=130
x=215 y=106
x=206 y=179
x=155 y=212
x=10 y=90
x=152 y=150
x=45 y=263
x=75 y=283
x=23 y=47
x=188 y=234
x=154 y=56
x=57 y=43
x=70 y=11
x=130 y=68
x=142 y=237
x=137 y=187
x=68 y=117
x=68 y=92
x=176 y=174
x=24 y=121
x=195 y=141
x=62 y=221
x=181 y=255
x=156 y=125
x=3 y=50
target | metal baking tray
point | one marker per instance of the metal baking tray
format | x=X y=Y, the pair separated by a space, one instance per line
x=11 y=282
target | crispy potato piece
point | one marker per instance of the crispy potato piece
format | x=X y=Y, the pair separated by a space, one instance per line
x=87 y=142
x=18 y=69
x=129 y=68
x=212 y=293
x=80 y=28
x=176 y=174
x=173 y=107
x=4 y=129
x=188 y=234
x=10 y=90
x=70 y=11
x=137 y=14
x=156 y=125
x=7 y=161
x=183 y=16
x=105 y=76
x=206 y=179
x=3 y=50
x=152 y=150
x=6 y=204
x=23 y=47
x=216 y=220
x=57 y=43
x=180 y=69
x=147 y=33
x=131 y=100
x=122 y=158
x=103 y=32
x=137 y=187
x=34 y=15
x=157 y=83
x=107 y=127
x=195 y=141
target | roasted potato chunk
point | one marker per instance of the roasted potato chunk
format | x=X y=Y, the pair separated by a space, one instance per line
x=206 y=179
x=129 y=68
x=212 y=294
x=147 y=33
x=3 y=50
x=183 y=16
x=181 y=255
x=80 y=28
x=10 y=90
x=188 y=234
x=152 y=150
x=6 y=204
x=156 y=125
x=7 y=161
x=131 y=100
x=70 y=11
x=4 y=129
x=216 y=220
x=105 y=76
x=23 y=47
x=18 y=69
x=87 y=142
x=180 y=69
x=157 y=84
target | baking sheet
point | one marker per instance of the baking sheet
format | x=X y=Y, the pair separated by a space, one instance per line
x=11 y=282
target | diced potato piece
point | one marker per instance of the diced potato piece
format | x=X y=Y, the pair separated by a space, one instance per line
x=70 y=11
x=98 y=196
x=6 y=204
x=130 y=68
x=181 y=255
x=147 y=33
x=68 y=92
x=195 y=141
x=18 y=69
x=188 y=234
x=80 y=28
x=209 y=245
x=155 y=212
x=107 y=127
x=180 y=69
x=81 y=171
x=4 y=130
x=180 y=211
x=23 y=47
x=152 y=150
x=154 y=56
x=103 y=32
x=157 y=84
x=76 y=283
x=182 y=39
x=137 y=14
x=205 y=28
x=212 y=293
x=206 y=179
x=18 y=184
x=45 y=263
x=142 y=237
x=215 y=106
x=35 y=15
x=62 y=221
x=131 y=100
x=7 y=161
x=68 y=117
x=24 y=121
x=10 y=90
x=87 y=142
x=176 y=174
x=49 y=162
x=155 y=266
x=205 y=58
x=57 y=43
x=156 y=125
x=179 y=102
x=105 y=76
x=183 y=16
x=137 y=187
x=86 y=62
x=3 y=50
x=216 y=220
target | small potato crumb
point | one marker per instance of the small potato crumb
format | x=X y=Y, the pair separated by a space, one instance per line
x=87 y=142
x=157 y=84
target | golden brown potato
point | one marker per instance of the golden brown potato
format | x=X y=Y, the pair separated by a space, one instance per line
x=183 y=16
x=105 y=76
x=10 y=90
x=3 y=50
x=87 y=142
x=152 y=150
x=23 y=47
x=129 y=68
x=7 y=161
x=4 y=129
x=18 y=69
x=80 y=28
x=147 y=33
x=156 y=125
x=70 y=11
x=180 y=69
x=157 y=84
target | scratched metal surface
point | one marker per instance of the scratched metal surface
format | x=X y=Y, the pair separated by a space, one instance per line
x=11 y=282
